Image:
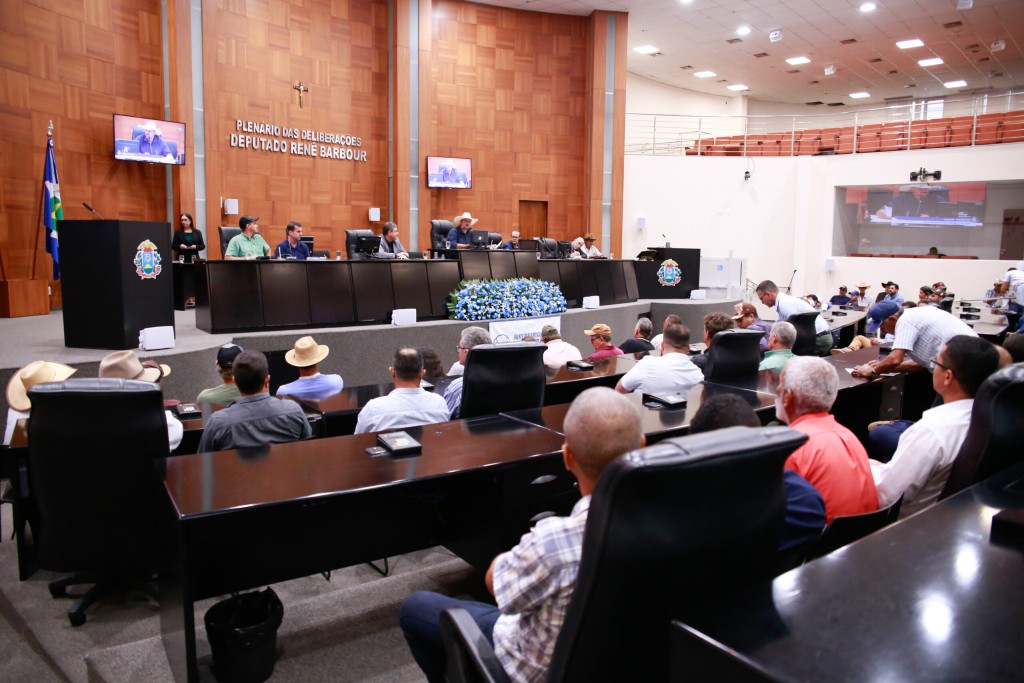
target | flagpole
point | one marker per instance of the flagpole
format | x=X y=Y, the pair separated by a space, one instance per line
x=42 y=202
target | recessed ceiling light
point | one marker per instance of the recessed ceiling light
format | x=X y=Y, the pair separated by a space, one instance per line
x=743 y=30
x=798 y=60
x=907 y=44
x=859 y=95
x=704 y=74
x=934 y=61
x=646 y=50
x=868 y=7
x=955 y=84
x=737 y=87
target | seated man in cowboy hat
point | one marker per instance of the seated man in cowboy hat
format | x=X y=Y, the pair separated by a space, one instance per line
x=306 y=356
x=255 y=419
x=126 y=365
x=459 y=236
x=36 y=372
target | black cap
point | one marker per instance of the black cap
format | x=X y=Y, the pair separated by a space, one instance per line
x=226 y=355
x=246 y=220
x=890 y=282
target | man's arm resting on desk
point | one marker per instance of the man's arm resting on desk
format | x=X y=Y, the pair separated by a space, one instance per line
x=896 y=361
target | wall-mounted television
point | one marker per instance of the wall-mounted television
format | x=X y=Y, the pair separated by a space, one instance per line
x=149 y=140
x=920 y=205
x=449 y=172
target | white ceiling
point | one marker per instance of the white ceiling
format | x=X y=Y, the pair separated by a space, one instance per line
x=694 y=34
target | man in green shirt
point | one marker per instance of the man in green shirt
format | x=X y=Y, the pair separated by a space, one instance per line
x=780 y=347
x=250 y=244
x=228 y=392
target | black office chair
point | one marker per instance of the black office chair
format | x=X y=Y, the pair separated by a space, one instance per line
x=439 y=232
x=494 y=238
x=947 y=302
x=846 y=529
x=92 y=444
x=805 y=333
x=733 y=354
x=673 y=530
x=226 y=235
x=500 y=377
x=547 y=247
x=994 y=438
x=352 y=243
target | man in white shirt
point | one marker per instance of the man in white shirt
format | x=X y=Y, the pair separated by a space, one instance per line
x=922 y=462
x=919 y=334
x=786 y=305
x=408 y=404
x=668 y=373
x=589 y=248
x=559 y=352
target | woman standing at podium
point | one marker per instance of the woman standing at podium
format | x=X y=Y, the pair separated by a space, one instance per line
x=188 y=241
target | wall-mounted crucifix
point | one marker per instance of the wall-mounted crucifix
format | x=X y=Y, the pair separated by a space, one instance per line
x=302 y=91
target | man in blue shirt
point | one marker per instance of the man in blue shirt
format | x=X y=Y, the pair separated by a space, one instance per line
x=892 y=293
x=460 y=236
x=840 y=299
x=307 y=355
x=513 y=243
x=293 y=246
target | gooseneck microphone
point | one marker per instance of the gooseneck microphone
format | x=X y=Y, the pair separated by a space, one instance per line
x=93 y=211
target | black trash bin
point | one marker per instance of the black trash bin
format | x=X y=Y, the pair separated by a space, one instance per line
x=242 y=631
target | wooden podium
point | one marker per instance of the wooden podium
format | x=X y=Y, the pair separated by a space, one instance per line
x=116 y=279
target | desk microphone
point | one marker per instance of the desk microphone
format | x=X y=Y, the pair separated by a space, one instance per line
x=93 y=211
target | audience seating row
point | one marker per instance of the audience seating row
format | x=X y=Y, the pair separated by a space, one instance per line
x=957 y=131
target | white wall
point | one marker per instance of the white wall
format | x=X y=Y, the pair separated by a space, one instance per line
x=644 y=96
x=781 y=219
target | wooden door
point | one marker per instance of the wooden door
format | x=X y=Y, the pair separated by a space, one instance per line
x=533 y=219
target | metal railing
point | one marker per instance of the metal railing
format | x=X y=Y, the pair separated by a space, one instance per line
x=983 y=119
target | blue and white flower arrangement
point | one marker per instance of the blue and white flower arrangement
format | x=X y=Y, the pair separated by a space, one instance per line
x=513 y=298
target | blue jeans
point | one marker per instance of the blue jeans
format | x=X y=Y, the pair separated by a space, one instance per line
x=420 y=619
x=883 y=440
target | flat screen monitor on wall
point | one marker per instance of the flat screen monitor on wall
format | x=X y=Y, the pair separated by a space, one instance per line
x=149 y=140
x=449 y=172
x=920 y=205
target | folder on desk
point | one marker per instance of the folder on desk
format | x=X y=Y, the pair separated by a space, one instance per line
x=399 y=443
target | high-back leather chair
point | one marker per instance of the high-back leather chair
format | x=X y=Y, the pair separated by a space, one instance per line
x=226 y=234
x=494 y=238
x=548 y=247
x=733 y=354
x=352 y=243
x=439 y=232
x=500 y=377
x=994 y=438
x=91 y=450
x=673 y=529
x=805 y=334
x=846 y=529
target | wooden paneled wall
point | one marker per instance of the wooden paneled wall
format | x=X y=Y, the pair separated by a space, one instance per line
x=254 y=53
x=75 y=63
x=507 y=88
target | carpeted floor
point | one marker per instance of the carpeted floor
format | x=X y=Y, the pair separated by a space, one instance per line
x=344 y=629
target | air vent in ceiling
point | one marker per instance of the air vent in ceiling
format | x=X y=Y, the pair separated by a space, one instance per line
x=952 y=25
x=836 y=104
x=910 y=85
x=901 y=97
x=972 y=46
x=891 y=73
x=759 y=55
x=813 y=82
x=811 y=104
x=686 y=67
x=876 y=60
x=733 y=41
x=984 y=59
x=793 y=71
x=848 y=41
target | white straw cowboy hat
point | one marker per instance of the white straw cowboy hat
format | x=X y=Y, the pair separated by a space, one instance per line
x=467 y=214
x=126 y=365
x=36 y=372
x=306 y=352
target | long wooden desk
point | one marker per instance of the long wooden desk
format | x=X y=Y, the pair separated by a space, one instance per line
x=241 y=519
x=930 y=598
x=302 y=294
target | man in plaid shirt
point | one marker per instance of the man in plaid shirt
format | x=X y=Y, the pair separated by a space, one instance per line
x=533 y=582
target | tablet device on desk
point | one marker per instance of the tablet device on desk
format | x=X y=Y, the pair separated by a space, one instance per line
x=579 y=365
x=661 y=401
x=188 y=410
x=399 y=443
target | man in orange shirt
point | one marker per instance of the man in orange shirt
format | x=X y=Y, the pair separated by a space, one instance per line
x=832 y=459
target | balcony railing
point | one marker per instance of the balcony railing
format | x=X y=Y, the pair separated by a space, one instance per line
x=982 y=120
